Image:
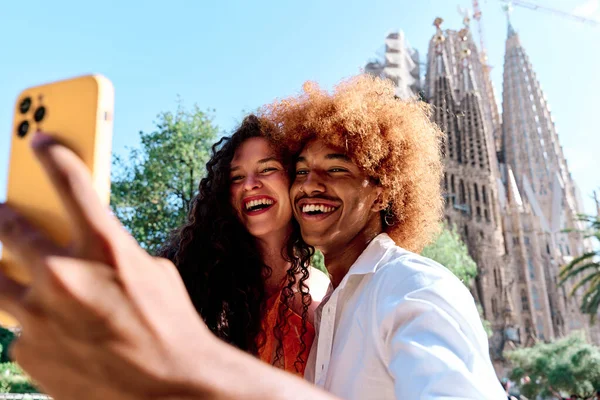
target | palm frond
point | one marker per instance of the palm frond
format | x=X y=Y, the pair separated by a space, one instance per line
x=589 y=292
x=574 y=267
x=591 y=306
x=595 y=277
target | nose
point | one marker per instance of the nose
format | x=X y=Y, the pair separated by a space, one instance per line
x=312 y=184
x=252 y=182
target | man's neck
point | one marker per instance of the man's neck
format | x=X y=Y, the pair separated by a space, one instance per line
x=271 y=248
x=338 y=260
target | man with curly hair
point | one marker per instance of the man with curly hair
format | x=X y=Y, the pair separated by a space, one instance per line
x=367 y=194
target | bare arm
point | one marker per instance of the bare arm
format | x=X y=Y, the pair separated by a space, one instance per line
x=246 y=378
x=104 y=320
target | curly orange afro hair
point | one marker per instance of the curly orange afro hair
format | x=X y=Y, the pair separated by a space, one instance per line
x=392 y=141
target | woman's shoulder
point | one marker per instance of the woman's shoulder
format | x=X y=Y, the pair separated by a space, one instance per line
x=318 y=284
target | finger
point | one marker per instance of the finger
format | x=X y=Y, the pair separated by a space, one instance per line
x=26 y=243
x=11 y=294
x=94 y=228
x=164 y=263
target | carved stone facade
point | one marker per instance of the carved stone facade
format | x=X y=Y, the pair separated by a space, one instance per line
x=534 y=156
x=507 y=189
x=473 y=183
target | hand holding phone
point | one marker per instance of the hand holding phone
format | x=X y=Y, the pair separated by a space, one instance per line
x=77 y=113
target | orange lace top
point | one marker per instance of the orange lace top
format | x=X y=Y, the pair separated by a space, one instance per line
x=291 y=339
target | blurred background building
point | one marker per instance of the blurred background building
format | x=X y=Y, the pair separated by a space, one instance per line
x=507 y=184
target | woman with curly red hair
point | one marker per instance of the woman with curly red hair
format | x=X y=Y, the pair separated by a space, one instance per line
x=240 y=254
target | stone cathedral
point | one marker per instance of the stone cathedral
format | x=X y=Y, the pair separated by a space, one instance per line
x=507 y=185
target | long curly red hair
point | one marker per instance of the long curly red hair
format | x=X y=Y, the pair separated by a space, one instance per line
x=220 y=262
x=392 y=141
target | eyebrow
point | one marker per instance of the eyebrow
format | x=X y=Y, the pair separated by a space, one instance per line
x=338 y=156
x=332 y=156
x=261 y=161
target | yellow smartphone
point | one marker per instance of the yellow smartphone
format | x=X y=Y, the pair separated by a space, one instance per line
x=78 y=112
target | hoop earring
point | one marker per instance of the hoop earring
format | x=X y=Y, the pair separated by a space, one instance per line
x=389 y=218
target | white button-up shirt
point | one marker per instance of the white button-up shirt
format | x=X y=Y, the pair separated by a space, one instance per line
x=401 y=326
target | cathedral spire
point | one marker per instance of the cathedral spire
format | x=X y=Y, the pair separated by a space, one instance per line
x=439 y=40
x=514 y=197
x=467 y=80
x=531 y=144
x=511 y=30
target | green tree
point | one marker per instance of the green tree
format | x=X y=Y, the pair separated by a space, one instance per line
x=6 y=338
x=14 y=380
x=318 y=261
x=153 y=187
x=12 y=377
x=585 y=270
x=449 y=250
x=567 y=366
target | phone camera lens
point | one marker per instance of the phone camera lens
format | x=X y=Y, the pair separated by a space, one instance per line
x=23 y=129
x=39 y=114
x=25 y=105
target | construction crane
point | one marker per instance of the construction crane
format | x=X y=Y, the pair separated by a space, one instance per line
x=525 y=4
x=477 y=17
x=492 y=111
x=538 y=7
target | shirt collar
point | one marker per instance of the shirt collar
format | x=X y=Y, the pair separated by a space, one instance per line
x=371 y=257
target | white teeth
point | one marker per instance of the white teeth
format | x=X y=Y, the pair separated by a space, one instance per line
x=255 y=203
x=317 y=207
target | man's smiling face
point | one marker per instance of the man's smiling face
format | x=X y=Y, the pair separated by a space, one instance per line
x=333 y=200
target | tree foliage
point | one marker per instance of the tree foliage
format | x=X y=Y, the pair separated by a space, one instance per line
x=566 y=366
x=585 y=270
x=449 y=250
x=12 y=377
x=153 y=187
x=6 y=338
x=318 y=261
x=14 y=380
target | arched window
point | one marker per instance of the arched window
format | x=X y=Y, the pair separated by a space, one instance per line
x=536 y=299
x=496 y=277
x=524 y=300
x=494 y=306
x=527 y=326
x=461 y=192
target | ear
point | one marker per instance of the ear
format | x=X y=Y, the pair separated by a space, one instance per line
x=380 y=202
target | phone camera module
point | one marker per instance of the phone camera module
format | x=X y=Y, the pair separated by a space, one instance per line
x=22 y=129
x=39 y=114
x=25 y=105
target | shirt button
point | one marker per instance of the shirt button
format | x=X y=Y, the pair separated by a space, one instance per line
x=322 y=367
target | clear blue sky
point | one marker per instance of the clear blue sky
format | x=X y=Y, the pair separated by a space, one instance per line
x=234 y=56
